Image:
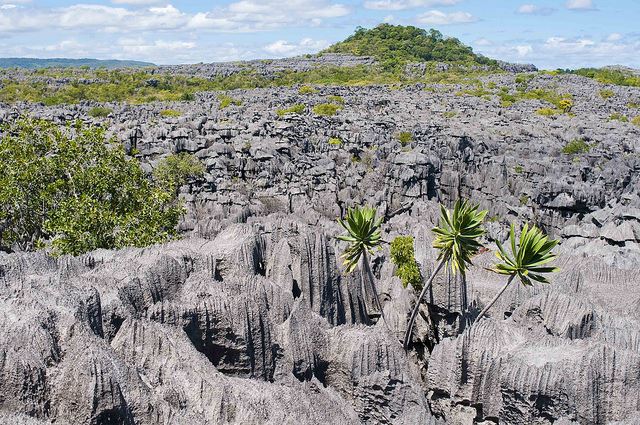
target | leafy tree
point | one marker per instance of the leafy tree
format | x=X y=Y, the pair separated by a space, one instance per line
x=403 y=256
x=73 y=190
x=457 y=240
x=527 y=262
x=364 y=237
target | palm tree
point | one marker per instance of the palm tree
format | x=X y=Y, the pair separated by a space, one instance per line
x=364 y=237
x=457 y=240
x=527 y=262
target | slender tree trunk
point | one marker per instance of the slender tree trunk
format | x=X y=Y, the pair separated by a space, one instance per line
x=416 y=308
x=367 y=269
x=493 y=301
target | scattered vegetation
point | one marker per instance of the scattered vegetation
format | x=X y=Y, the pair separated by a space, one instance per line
x=307 y=90
x=336 y=99
x=616 y=116
x=403 y=256
x=577 y=146
x=524 y=199
x=70 y=190
x=334 y=141
x=404 y=137
x=298 y=108
x=326 y=109
x=636 y=121
x=450 y=114
x=518 y=169
x=618 y=77
x=226 y=101
x=99 y=112
x=170 y=113
x=396 y=45
x=606 y=94
x=547 y=112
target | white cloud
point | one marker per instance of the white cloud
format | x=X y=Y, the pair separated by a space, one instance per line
x=406 y=4
x=482 y=42
x=137 y=2
x=244 y=15
x=532 y=9
x=436 y=17
x=524 y=50
x=579 y=4
x=286 y=48
x=614 y=36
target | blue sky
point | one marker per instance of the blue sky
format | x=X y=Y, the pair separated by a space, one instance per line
x=548 y=33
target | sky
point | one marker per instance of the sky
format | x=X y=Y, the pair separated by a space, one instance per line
x=548 y=33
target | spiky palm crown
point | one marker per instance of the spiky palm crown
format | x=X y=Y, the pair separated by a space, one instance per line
x=529 y=256
x=363 y=234
x=457 y=234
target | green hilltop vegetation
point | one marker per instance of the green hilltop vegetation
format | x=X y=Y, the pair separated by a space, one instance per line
x=616 y=76
x=394 y=45
x=33 y=63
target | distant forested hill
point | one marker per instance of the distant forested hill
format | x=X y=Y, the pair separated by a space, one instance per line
x=33 y=63
x=396 y=44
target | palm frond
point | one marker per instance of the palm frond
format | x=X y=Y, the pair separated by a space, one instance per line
x=363 y=233
x=529 y=255
x=457 y=234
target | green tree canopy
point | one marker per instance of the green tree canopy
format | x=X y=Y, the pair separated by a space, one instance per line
x=70 y=189
x=394 y=45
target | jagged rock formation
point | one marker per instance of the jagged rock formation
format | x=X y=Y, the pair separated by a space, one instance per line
x=249 y=319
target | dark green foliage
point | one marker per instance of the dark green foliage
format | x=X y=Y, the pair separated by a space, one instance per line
x=457 y=234
x=363 y=234
x=576 y=146
x=326 y=109
x=616 y=116
x=529 y=256
x=73 y=191
x=636 y=121
x=606 y=94
x=307 y=90
x=403 y=256
x=395 y=45
x=99 y=112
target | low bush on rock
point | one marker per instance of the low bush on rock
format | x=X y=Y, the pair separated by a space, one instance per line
x=403 y=256
x=295 y=109
x=326 y=109
x=576 y=146
x=170 y=113
x=226 y=101
x=99 y=112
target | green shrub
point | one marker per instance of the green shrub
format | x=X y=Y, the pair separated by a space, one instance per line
x=99 y=112
x=307 y=90
x=524 y=200
x=170 y=113
x=565 y=105
x=175 y=170
x=636 y=121
x=336 y=99
x=76 y=191
x=618 y=77
x=326 y=109
x=518 y=169
x=403 y=256
x=226 y=101
x=633 y=105
x=404 y=137
x=295 y=109
x=576 y=146
x=335 y=141
x=618 y=117
x=547 y=112
x=606 y=94
x=450 y=114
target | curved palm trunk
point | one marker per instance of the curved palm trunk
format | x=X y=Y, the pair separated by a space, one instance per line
x=367 y=269
x=493 y=301
x=416 y=308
